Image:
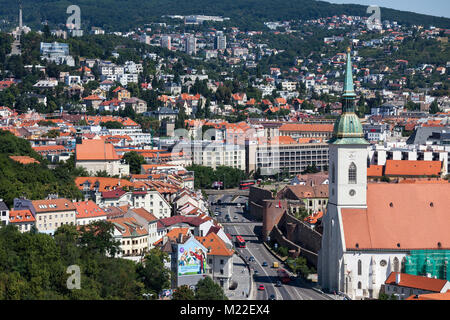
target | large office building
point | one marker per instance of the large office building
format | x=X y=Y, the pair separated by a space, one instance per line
x=283 y=154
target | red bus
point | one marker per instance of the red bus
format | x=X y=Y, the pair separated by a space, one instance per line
x=246 y=184
x=240 y=242
x=283 y=275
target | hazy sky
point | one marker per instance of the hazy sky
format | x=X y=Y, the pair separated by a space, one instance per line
x=440 y=8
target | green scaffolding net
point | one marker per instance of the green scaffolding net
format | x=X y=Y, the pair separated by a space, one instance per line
x=430 y=263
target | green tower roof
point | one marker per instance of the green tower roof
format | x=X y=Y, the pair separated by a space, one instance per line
x=348 y=128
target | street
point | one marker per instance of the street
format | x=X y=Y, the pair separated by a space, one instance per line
x=239 y=223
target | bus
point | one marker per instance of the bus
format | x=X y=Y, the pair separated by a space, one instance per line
x=245 y=184
x=240 y=242
x=283 y=275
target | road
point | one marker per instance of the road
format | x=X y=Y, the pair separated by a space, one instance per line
x=240 y=224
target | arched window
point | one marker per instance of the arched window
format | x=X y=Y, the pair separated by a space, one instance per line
x=396 y=265
x=352 y=173
x=359 y=285
x=333 y=174
x=359 y=267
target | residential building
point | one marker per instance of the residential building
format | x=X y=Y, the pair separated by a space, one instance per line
x=132 y=236
x=49 y=214
x=4 y=213
x=219 y=259
x=403 y=285
x=88 y=212
x=96 y=155
x=22 y=219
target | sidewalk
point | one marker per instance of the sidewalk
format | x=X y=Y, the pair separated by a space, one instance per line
x=241 y=275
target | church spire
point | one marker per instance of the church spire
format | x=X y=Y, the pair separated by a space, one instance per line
x=348 y=128
x=349 y=91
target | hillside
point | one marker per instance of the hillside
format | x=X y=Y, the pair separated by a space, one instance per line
x=34 y=181
x=246 y=14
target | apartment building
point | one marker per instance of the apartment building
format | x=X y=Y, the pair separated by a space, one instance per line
x=133 y=237
x=49 y=214
x=284 y=154
x=214 y=154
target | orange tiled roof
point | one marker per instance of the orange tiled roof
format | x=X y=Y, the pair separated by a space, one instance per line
x=412 y=168
x=318 y=127
x=88 y=209
x=129 y=227
x=53 y=205
x=216 y=246
x=391 y=209
x=417 y=282
x=104 y=184
x=431 y=296
x=174 y=234
x=24 y=159
x=375 y=171
x=18 y=216
x=95 y=149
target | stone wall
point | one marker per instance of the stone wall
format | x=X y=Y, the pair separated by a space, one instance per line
x=295 y=235
x=256 y=201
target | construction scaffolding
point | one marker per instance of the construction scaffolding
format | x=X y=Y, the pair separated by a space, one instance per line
x=429 y=263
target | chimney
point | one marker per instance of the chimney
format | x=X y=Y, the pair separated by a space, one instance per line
x=397 y=277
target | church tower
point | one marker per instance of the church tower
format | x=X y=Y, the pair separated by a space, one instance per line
x=347 y=187
x=348 y=152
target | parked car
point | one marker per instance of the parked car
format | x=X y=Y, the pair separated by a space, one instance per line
x=261 y=287
x=252 y=258
x=264 y=264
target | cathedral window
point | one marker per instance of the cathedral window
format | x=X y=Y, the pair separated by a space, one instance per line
x=359 y=267
x=352 y=173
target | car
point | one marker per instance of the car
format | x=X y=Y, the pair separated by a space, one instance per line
x=235 y=217
x=255 y=272
x=278 y=284
x=261 y=287
x=272 y=297
x=264 y=264
x=252 y=258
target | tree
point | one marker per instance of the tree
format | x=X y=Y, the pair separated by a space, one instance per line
x=207 y=289
x=135 y=160
x=434 y=107
x=98 y=237
x=154 y=274
x=183 y=293
x=112 y=125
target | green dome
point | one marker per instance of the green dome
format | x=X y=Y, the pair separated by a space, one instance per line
x=348 y=130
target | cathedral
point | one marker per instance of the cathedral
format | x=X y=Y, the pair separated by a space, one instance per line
x=371 y=229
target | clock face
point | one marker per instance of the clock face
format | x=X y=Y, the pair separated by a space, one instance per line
x=352 y=192
x=352 y=155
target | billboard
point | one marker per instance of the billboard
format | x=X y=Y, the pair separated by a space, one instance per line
x=191 y=258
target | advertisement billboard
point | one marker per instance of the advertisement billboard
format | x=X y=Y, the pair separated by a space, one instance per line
x=191 y=258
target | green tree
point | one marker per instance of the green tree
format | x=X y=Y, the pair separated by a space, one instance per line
x=98 y=237
x=434 y=107
x=154 y=274
x=183 y=293
x=207 y=289
x=135 y=160
x=112 y=125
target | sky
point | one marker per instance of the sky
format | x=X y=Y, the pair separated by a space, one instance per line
x=440 y=8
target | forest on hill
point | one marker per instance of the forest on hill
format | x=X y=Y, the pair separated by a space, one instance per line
x=246 y=14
